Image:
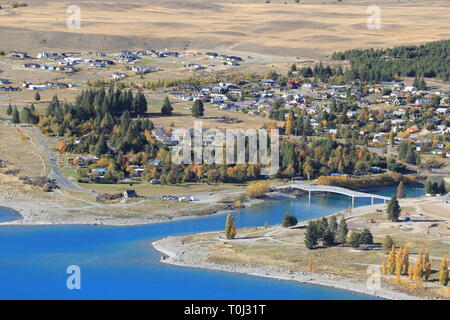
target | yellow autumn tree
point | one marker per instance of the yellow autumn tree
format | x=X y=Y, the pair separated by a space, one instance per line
x=410 y=272
x=405 y=260
x=391 y=260
x=257 y=190
x=427 y=265
x=384 y=267
x=399 y=264
x=62 y=146
x=289 y=124
x=418 y=268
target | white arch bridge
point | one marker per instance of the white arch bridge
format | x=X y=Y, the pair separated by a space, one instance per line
x=331 y=189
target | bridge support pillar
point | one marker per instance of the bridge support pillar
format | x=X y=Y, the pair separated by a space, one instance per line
x=353 y=202
x=309 y=196
x=372 y=200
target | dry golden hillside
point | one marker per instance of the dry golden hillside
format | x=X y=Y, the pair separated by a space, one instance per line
x=308 y=29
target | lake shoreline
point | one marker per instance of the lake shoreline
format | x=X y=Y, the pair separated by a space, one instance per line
x=31 y=213
x=195 y=256
x=50 y=213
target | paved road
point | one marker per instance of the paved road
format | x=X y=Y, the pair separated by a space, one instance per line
x=60 y=179
x=55 y=173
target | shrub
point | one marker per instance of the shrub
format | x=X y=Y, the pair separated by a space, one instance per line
x=288 y=221
x=257 y=190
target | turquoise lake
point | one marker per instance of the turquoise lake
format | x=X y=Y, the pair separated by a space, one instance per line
x=119 y=263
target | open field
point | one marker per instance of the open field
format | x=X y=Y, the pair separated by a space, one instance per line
x=281 y=253
x=310 y=29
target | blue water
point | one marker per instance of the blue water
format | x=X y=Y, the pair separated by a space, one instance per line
x=7 y=214
x=118 y=263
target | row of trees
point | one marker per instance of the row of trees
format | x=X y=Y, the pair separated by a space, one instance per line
x=429 y=60
x=326 y=230
x=435 y=187
x=323 y=157
x=198 y=108
x=398 y=264
x=26 y=115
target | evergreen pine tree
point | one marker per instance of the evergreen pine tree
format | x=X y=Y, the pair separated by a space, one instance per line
x=167 y=107
x=328 y=238
x=9 y=110
x=441 y=188
x=311 y=235
x=322 y=226
x=393 y=210
x=428 y=187
x=288 y=221
x=15 y=115
x=333 y=224
x=355 y=239
x=52 y=106
x=37 y=96
x=25 y=115
x=366 y=237
x=198 y=109
x=101 y=147
x=342 y=231
x=434 y=187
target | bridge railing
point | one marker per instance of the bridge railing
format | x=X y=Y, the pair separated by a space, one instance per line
x=339 y=190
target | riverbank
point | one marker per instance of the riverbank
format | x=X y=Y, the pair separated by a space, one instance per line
x=196 y=256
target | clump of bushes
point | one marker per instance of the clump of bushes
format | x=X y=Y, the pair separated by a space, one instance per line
x=257 y=190
x=383 y=180
x=288 y=221
x=105 y=197
x=16 y=5
x=48 y=185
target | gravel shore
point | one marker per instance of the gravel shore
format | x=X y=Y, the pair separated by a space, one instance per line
x=196 y=256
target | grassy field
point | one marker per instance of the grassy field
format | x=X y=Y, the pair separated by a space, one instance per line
x=21 y=150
